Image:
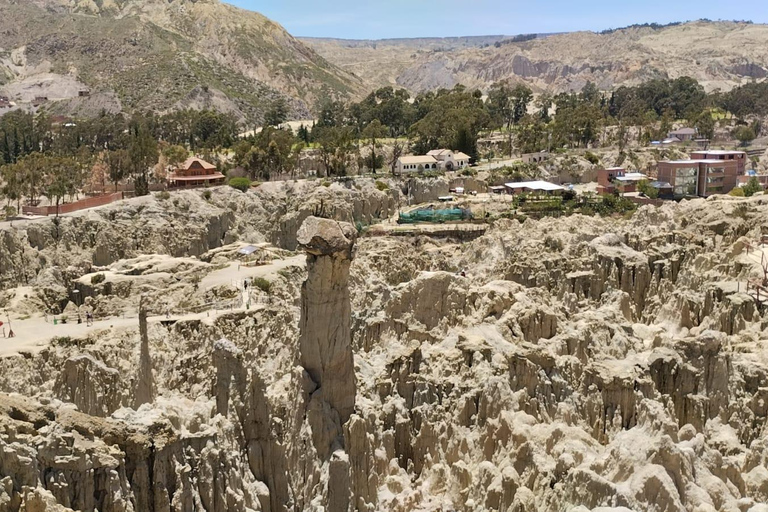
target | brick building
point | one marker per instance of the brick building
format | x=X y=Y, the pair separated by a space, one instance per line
x=705 y=174
x=737 y=158
x=698 y=177
x=618 y=180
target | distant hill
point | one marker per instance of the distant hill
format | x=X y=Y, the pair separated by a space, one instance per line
x=158 y=55
x=718 y=54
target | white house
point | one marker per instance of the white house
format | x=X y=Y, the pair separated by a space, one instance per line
x=437 y=159
x=416 y=164
x=450 y=160
x=533 y=186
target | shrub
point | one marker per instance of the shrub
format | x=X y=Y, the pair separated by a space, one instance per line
x=380 y=185
x=553 y=244
x=592 y=158
x=737 y=192
x=163 y=195
x=262 y=284
x=241 y=184
x=207 y=195
x=10 y=211
x=645 y=187
x=326 y=183
x=741 y=211
x=97 y=279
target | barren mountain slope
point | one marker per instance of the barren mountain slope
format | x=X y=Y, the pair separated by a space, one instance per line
x=158 y=55
x=719 y=54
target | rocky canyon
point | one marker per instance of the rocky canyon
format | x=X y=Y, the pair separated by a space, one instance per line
x=564 y=364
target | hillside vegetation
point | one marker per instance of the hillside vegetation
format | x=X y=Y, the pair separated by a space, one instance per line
x=156 y=55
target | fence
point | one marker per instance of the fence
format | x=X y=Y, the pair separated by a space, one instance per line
x=436 y=216
x=90 y=202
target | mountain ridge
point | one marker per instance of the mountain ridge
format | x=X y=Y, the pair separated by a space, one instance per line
x=158 y=55
x=720 y=54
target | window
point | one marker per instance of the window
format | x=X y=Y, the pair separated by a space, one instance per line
x=686 y=181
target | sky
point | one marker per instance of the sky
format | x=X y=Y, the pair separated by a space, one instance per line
x=365 y=19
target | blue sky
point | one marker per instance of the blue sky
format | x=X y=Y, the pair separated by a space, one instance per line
x=361 y=19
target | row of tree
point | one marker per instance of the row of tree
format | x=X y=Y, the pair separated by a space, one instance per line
x=22 y=133
x=35 y=148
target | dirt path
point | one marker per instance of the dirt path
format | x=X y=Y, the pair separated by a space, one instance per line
x=234 y=273
x=35 y=333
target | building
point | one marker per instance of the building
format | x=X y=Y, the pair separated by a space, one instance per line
x=416 y=164
x=606 y=177
x=737 y=158
x=665 y=189
x=683 y=134
x=84 y=93
x=5 y=102
x=705 y=174
x=697 y=177
x=437 y=160
x=449 y=160
x=535 y=158
x=762 y=179
x=195 y=172
x=618 y=180
x=543 y=187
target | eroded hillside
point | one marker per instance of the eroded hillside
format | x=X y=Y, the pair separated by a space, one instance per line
x=717 y=54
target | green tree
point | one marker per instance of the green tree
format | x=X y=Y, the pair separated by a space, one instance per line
x=705 y=125
x=272 y=153
x=12 y=184
x=303 y=134
x=277 y=113
x=398 y=149
x=61 y=179
x=744 y=134
x=530 y=136
x=752 y=187
x=466 y=141
x=118 y=165
x=330 y=112
x=336 y=147
x=374 y=131
x=32 y=169
x=143 y=151
x=175 y=154
x=446 y=113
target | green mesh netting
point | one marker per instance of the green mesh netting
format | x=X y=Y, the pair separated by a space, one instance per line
x=437 y=216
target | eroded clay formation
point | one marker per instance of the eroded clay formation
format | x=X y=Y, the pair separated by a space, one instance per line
x=580 y=363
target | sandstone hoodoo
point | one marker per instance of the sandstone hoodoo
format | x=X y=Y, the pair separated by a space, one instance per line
x=325 y=346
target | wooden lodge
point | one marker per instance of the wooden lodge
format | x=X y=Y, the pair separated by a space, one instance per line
x=195 y=172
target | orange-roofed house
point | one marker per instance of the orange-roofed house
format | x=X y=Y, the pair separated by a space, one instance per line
x=195 y=172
